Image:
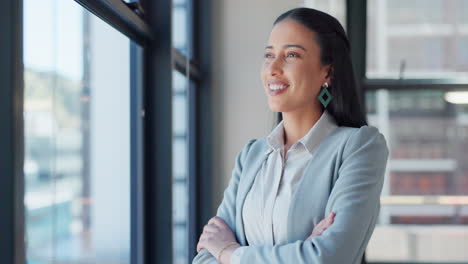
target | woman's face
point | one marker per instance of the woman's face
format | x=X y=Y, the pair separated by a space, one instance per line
x=292 y=75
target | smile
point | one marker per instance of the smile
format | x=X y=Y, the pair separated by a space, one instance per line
x=275 y=89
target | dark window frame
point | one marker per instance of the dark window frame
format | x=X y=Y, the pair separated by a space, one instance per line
x=201 y=207
x=12 y=245
x=157 y=101
x=137 y=201
x=119 y=15
x=196 y=68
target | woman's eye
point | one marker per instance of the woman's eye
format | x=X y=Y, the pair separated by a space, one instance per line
x=268 y=56
x=293 y=55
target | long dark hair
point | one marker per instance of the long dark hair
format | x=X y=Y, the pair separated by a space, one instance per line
x=346 y=106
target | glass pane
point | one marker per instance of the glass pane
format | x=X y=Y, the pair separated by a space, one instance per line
x=180 y=249
x=424 y=212
x=180 y=165
x=336 y=8
x=181 y=27
x=77 y=136
x=417 y=38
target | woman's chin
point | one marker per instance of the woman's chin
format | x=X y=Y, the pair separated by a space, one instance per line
x=276 y=108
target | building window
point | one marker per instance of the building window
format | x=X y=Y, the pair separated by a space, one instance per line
x=180 y=167
x=77 y=136
x=416 y=39
x=183 y=99
x=424 y=204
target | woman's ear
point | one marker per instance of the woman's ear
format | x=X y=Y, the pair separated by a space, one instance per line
x=329 y=75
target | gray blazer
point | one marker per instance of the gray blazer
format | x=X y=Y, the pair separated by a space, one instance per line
x=345 y=175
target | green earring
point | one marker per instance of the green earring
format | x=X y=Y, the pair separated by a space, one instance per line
x=325 y=96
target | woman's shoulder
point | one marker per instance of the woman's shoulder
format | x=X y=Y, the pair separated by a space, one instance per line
x=357 y=137
x=255 y=145
x=363 y=131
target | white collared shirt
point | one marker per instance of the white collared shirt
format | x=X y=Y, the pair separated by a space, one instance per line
x=266 y=206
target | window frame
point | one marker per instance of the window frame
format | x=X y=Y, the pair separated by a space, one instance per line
x=11 y=134
x=201 y=149
x=120 y=16
x=157 y=148
x=197 y=69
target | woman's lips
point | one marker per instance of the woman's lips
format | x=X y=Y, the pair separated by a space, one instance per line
x=277 y=88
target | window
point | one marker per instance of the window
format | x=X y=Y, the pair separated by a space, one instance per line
x=77 y=110
x=424 y=213
x=184 y=131
x=416 y=39
x=180 y=168
x=414 y=59
x=181 y=31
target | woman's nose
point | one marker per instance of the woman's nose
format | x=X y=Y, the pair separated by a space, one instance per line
x=275 y=67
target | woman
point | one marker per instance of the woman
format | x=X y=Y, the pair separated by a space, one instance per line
x=309 y=192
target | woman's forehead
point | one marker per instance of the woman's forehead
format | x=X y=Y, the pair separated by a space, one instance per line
x=288 y=32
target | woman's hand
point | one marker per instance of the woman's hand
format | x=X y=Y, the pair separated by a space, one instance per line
x=322 y=226
x=217 y=236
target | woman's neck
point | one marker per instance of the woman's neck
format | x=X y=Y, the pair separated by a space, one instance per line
x=297 y=124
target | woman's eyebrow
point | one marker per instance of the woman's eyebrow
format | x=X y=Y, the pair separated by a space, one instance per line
x=288 y=46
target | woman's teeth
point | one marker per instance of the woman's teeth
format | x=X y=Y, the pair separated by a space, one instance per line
x=275 y=87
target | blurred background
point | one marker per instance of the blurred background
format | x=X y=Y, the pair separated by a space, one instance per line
x=133 y=112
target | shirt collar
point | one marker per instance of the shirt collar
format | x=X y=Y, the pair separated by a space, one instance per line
x=321 y=129
x=276 y=138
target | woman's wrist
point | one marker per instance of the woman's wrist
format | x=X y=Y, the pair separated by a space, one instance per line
x=226 y=253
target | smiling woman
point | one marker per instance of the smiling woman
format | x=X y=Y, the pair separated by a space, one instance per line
x=318 y=53
x=293 y=70
x=309 y=191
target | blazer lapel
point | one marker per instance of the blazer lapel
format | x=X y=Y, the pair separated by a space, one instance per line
x=254 y=160
x=308 y=202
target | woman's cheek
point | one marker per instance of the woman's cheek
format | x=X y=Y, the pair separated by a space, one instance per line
x=264 y=73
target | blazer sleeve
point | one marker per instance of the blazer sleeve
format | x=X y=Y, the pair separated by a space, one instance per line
x=355 y=198
x=227 y=208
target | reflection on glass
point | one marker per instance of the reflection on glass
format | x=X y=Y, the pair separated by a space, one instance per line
x=417 y=38
x=424 y=213
x=77 y=136
x=180 y=167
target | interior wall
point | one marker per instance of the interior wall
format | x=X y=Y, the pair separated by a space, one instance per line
x=240 y=111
